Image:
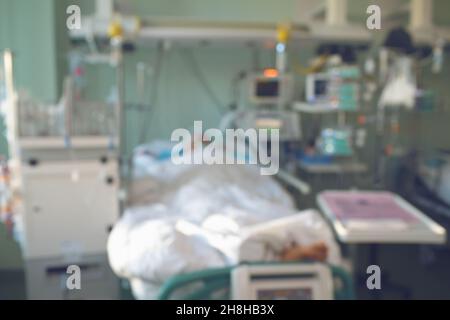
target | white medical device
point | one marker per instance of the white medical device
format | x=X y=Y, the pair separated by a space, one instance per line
x=337 y=89
x=378 y=217
x=287 y=122
x=271 y=88
x=282 y=282
x=64 y=171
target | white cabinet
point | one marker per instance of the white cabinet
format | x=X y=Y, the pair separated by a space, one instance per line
x=69 y=207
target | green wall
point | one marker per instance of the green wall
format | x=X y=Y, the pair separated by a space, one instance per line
x=231 y=10
x=28 y=28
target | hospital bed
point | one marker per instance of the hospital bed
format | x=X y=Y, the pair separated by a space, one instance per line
x=261 y=201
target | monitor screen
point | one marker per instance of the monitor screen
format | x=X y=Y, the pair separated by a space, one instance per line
x=320 y=87
x=267 y=88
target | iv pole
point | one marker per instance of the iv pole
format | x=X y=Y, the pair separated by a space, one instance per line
x=124 y=166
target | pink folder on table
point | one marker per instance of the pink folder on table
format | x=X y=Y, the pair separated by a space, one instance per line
x=367 y=206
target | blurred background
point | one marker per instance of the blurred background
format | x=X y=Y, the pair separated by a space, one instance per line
x=89 y=103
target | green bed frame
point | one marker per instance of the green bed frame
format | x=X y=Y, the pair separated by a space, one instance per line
x=214 y=284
